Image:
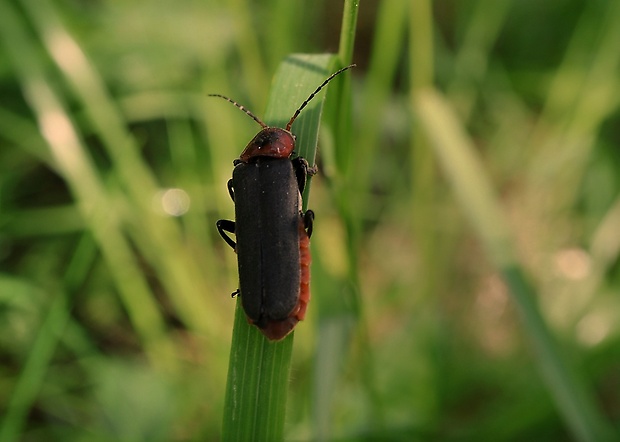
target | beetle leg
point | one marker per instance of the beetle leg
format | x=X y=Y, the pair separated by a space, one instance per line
x=231 y=191
x=311 y=171
x=308 y=222
x=303 y=171
x=223 y=226
x=235 y=293
x=300 y=165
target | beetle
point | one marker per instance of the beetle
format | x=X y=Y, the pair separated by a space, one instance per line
x=272 y=231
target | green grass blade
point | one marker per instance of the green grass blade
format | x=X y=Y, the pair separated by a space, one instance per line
x=347 y=31
x=296 y=79
x=477 y=199
x=258 y=373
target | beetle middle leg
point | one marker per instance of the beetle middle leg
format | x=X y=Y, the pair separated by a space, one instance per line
x=223 y=226
x=308 y=219
x=226 y=225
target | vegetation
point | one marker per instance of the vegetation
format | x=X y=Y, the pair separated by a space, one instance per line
x=465 y=271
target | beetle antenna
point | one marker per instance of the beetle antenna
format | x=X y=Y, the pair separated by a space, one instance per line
x=243 y=108
x=318 y=89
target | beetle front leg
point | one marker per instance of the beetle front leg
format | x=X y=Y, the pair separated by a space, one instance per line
x=308 y=218
x=303 y=171
x=226 y=225
x=231 y=190
x=310 y=170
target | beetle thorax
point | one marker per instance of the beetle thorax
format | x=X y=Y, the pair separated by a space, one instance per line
x=271 y=142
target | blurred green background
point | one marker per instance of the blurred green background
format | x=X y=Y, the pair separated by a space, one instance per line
x=115 y=314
